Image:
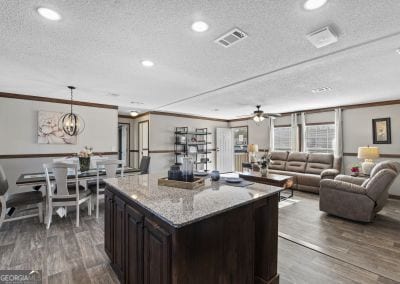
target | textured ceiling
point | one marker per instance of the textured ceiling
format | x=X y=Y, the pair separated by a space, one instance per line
x=98 y=46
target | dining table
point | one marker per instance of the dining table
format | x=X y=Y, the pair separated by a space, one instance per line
x=38 y=180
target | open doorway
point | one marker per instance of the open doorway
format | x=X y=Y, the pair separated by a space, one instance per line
x=143 y=139
x=124 y=142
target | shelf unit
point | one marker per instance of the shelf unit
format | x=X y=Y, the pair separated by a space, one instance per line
x=193 y=143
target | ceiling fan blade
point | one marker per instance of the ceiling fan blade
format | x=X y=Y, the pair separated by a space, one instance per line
x=275 y=115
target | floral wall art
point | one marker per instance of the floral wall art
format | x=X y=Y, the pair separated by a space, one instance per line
x=48 y=130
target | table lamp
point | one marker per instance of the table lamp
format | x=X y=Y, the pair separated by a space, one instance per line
x=252 y=149
x=368 y=154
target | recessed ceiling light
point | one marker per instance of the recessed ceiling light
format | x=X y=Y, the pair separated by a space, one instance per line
x=314 y=4
x=199 y=26
x=134 y=113
x=321 y=90
x=147 y=63
x=398 y=50
x=49 y=14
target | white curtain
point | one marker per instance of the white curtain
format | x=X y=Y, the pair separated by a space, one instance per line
x=338 y=133
x=294 y=135
x=303 y=132
x=271 y=134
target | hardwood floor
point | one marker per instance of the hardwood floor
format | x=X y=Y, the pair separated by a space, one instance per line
x=64 y=253
x=367 y=248
x=313 y=247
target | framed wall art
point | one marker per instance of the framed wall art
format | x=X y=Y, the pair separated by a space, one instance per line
x=381 y=131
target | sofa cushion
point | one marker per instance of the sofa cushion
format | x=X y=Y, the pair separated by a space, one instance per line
x=279 y=155
x=278 y=160
x=309 y=180
x=318 y=162
x=296 y=162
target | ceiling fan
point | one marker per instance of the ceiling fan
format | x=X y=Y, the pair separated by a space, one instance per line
x=259 y=115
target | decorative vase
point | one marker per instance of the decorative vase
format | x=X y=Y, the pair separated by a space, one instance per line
x=175 y=173
x=214 y=175
x=84 y=163
x=264 y=171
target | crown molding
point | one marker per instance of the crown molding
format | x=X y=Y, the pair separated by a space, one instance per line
x=54 y=100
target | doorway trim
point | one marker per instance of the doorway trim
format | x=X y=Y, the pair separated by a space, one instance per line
x=148 y=138
x=129 y=141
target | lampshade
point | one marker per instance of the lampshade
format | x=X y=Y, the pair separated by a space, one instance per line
x=252 y=148
x=369 y=153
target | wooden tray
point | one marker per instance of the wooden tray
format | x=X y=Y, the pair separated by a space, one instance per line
x=197 y=182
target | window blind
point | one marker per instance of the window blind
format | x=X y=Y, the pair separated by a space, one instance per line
x=282 y=138
x=320 y=138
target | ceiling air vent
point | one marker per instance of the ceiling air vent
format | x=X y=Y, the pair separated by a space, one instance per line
x=231 y=38
x=322 y=37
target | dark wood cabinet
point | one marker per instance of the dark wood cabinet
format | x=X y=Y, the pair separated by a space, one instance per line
x=133 y=246
x=236 y=246
x=108 y=225
x=119 y=237
x=157 y=247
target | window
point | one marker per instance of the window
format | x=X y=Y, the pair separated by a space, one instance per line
x=320 y=138
x=282 y=138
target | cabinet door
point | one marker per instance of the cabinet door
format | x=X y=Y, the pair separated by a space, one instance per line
x=119 y=240
x=133 y=246
x=108 y=225
x=157 y=254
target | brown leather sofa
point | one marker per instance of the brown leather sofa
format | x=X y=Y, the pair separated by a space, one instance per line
x=307 y=169
x=356 y=198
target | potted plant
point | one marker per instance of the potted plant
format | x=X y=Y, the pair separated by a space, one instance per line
x=84 y=158
x=355 y=170
x=264 y=163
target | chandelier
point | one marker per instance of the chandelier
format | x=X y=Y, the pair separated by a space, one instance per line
x=71 y=123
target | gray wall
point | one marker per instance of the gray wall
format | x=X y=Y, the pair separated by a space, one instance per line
x=18 y=129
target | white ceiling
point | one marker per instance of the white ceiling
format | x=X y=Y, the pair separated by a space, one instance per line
x=98 y=46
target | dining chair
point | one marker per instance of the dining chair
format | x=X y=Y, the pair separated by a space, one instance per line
x=18 y=200
x=144 y=165
x=97 y=188
x=60 y=193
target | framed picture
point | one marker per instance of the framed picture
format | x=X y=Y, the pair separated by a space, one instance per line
x=49 y=131
x=381 y=131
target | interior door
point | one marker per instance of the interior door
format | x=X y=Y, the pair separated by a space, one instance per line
x=143 y=139
x=123 y=142
x=225 y=150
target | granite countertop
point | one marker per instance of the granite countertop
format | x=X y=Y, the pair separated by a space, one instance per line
x=179 y=207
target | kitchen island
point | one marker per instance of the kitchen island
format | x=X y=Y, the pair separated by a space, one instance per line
x=215 y=234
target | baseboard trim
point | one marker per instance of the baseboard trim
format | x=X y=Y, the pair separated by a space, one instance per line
x=392 y=196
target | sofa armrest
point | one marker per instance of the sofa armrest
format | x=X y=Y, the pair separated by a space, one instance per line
x=342 y=186
x=350 y=179
x=329 y=174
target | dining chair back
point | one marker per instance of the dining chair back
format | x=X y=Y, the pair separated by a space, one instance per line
x=144 y=165
x=110 y=167
x=63 y=194
x=3 y=182
x=60 y=173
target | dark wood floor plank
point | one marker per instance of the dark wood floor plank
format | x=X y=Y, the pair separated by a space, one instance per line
x=314 y=248
x=369 y=246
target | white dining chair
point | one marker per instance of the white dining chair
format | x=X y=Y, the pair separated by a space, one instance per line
x=97 y=188
x=60 y=193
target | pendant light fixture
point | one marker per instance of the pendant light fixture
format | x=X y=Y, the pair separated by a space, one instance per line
x=71 y=123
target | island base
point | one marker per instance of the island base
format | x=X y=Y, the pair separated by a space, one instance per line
x=235 y=246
